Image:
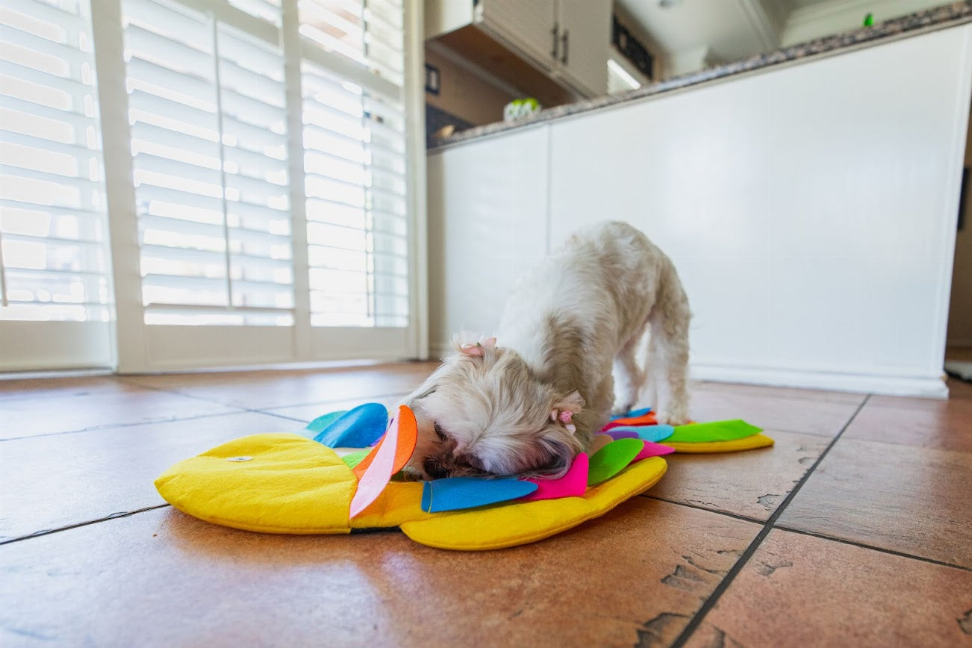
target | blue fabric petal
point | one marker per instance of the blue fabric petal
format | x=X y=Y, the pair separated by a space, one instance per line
x=358 y=428
x=325 y=421
x=633 y=413
x=654 y=433
x=456 y=493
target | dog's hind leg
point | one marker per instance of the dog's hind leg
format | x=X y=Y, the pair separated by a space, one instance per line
x=668 y=350
x=629 y=375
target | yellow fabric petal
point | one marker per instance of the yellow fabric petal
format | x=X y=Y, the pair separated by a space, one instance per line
x=509 y=525
x=289 y=484
x=747 y=443
x=399 y=502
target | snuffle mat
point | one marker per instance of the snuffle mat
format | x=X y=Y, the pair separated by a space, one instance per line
x=344 y=474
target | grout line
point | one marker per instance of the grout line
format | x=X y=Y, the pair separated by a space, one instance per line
x=822 y=536
x=735 y=516
x=124 y=425
x=256 y=410
x=114 y=516
x=334 y=400
x=281 y=416
x=724 y=584
x=862 y=545
x=271 y=412
x=123 y=379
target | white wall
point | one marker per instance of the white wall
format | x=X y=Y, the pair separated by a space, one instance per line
x=487 y=225
x=810 y=211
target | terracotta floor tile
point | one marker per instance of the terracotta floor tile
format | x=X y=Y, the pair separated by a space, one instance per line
x=13 y=387
x=272 y=389
x=781 y=392
x=942 y=424
x=161 y=578
x=760 y=407
x=903 y=498
x=310 y=412
x=803 y=591
x=55 y=481
x=31 y=408
x=752 y=483
x=959 y=389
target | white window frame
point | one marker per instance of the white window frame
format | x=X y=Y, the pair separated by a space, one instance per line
x=31 y=345
x=152 y=348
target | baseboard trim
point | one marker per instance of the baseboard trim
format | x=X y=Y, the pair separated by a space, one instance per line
x=859 y=383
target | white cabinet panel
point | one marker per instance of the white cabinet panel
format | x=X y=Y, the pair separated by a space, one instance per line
x=487 y=208
x=527 y=23
x=810 y=210
x=585 y=36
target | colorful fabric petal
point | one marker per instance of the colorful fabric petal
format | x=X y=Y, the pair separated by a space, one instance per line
x=572 y=484
x=653 y=433
x=622 y=433
x=645 y=419
x=406 y=445
x=396 y=447
x=632 y=414
x=357 y=428
x=458 y=493
x=612 y=459
x=709 y=432
x=599 y=442
x=653 y=450
x=747 y=443
x=323 y=422
x=352 y=459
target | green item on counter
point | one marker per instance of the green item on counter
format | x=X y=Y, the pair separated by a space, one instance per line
x=869 y=20
x=519 y=108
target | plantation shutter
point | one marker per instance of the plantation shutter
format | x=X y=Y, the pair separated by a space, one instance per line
x=255 y=181
x=207 y=108
x=355 y=166
x=55 y=298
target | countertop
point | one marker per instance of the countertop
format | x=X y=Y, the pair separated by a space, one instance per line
x=937 y=18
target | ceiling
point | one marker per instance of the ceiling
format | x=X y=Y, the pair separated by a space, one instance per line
x=727 y=30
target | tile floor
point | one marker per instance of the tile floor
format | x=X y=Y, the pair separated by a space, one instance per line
x=855 y=529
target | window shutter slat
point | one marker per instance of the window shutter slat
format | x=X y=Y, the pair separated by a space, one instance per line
x=52 y=218
x=207 y=103
x=354 y=140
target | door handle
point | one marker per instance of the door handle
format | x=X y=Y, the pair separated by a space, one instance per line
x=553 y=32
x=565 y=42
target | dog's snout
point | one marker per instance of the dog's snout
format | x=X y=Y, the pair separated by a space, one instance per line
x=434 y=469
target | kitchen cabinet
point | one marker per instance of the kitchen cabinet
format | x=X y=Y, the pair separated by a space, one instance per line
x=567 y=41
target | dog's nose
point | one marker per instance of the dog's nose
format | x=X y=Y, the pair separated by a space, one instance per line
x=434 y=469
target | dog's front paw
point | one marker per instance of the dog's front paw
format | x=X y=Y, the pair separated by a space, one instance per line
x=670 y=417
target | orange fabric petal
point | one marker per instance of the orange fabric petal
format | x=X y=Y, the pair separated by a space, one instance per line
x=407 y=438
x=647 y=419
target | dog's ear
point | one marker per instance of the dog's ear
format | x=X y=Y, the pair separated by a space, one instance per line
x=472 y=346
x=564 y=410
x=572 y=403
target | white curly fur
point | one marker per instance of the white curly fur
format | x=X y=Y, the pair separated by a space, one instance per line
x=569 y=339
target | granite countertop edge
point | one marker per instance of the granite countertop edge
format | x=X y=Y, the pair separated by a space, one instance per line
x=940 y=17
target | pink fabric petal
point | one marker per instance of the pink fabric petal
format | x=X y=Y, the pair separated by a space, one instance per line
x=653 y=450
x=573 y=484
x=379 y=473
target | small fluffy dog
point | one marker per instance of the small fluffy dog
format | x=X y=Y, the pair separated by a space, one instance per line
x=529 y=403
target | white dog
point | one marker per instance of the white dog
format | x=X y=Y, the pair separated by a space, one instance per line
x=529 y=403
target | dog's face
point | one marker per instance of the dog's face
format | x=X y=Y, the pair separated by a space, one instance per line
x=486 y=414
